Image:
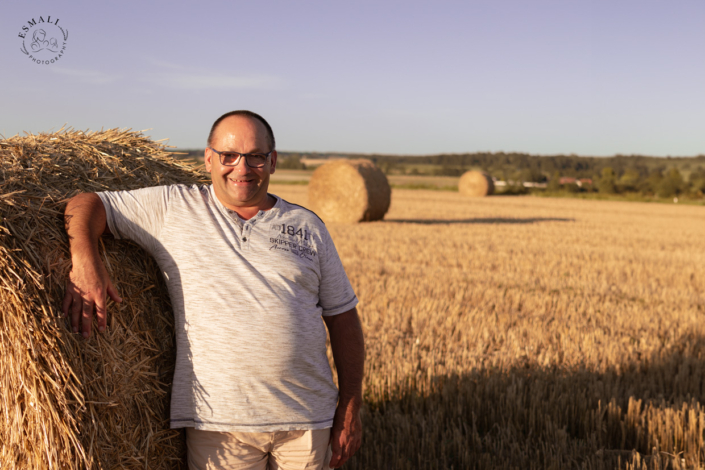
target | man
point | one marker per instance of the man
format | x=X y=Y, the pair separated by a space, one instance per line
x=250 y=276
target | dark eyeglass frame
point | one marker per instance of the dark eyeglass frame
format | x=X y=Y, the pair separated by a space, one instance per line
x=240 y=155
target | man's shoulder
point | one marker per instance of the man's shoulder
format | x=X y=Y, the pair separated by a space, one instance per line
x=188 y=188
x=156 y=198
x=185 y=189
x=289 y=209
x=174 y=192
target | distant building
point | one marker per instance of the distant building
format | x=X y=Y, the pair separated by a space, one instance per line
x=531 y=184
x=570 y=180
x=526 y=184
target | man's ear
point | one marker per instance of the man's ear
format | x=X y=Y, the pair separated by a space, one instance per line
x=274 y=162
x=207 y=155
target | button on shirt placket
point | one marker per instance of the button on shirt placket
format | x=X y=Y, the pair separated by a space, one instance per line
x=237 y=221
x=246 y=231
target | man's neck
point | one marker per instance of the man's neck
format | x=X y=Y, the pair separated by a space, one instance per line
x=246 y=213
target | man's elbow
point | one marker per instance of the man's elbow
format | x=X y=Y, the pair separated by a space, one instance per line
x=346 y=328
x=89 y=208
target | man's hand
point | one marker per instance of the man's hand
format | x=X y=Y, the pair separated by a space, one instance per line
x=86 y=290
x=88 y=282
x=346 y=435
x=348 y=347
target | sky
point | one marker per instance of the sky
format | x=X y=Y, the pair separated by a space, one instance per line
x=581 y=77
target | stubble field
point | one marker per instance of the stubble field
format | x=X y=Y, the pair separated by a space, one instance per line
x=521 y=332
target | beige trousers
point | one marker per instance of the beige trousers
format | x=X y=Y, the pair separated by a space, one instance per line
x=281 y=450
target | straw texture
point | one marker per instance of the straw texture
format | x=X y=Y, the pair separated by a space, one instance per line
x=69 y=403
x=475 y=184
x=349 y=191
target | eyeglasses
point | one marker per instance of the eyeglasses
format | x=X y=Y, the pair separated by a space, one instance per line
x=253 y=160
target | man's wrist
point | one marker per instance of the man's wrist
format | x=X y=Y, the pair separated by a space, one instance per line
x=82 y=252
x=351 y=404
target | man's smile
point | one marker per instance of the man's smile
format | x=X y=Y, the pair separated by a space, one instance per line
x=240 y=181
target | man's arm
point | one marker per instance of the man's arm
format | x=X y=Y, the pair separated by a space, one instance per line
x=88 y=281
x=348 y=347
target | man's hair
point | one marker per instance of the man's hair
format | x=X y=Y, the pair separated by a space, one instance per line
x=249 y=114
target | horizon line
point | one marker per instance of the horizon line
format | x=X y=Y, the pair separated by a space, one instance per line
x=382 y=154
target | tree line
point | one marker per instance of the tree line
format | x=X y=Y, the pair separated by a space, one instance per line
x=652 y=176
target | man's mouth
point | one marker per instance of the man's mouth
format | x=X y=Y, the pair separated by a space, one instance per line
x=240 y=180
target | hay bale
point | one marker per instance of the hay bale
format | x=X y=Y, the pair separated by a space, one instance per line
x=349 y=191
x=475 y=184
x=69 y=403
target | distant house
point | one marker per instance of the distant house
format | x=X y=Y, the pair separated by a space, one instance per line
x=526 y=184
x=570 y=180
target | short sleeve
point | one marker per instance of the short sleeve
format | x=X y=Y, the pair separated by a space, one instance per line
x=137 y=215
x=336 y=295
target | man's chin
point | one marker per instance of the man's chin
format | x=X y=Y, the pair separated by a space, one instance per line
x=242 y=198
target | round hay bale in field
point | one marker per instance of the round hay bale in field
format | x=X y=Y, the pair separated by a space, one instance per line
x=69 y=403
x=475 y=184
x=349 y=191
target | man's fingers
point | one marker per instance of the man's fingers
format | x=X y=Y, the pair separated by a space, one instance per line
x=87 y=318
x=113 y=293
x=76 y=305
x=66 y=304
x=345 y=455
x=338 y=460
x=343 y=446
x=336 y=452
x=102 y=314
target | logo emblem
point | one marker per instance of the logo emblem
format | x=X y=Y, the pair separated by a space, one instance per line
x=43 y=40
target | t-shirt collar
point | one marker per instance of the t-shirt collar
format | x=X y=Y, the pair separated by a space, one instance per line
x=261 y=215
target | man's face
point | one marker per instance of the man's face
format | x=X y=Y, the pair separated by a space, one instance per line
x=240 y=186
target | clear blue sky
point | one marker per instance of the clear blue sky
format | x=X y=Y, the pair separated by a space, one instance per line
x=544 y=77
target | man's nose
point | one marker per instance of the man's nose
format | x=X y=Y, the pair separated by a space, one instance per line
x=241 y=167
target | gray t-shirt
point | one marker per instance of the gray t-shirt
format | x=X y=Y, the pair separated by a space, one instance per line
x=248 y=298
